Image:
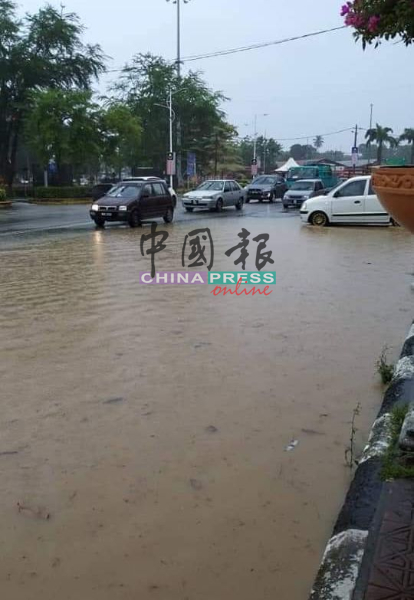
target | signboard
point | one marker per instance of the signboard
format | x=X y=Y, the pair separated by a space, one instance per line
x=171 y=163
x=191 y=164
x=354 y=156
x=254 y=166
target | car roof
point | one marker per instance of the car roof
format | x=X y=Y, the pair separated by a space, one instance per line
x=146 y=178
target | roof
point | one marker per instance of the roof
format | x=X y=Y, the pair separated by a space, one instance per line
x=289 y=164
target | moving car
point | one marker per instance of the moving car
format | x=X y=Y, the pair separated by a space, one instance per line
x=353 y=201
x=266 y=187
x=153 y=178
x=301 y=191
x=133 y=202
x=215 y=194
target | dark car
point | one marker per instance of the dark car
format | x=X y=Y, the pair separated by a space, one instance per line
x=303 y=190
x=100 y=189
x=266 y=187
x=133 y=202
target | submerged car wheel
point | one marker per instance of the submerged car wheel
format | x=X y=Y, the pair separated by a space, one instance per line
x=189 y=208
x=271 y=198
x=169 y=215
x=219 y=205
x=319 y=219
x=99 y=222
x=247 y=200
x=134 y=220
x=239 y=204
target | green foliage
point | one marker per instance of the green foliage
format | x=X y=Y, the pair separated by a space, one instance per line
x=318 y=142
x=385 y=369
x=43 y=50
x=396 y=463
x=64 y=125
x=268 y=150
x=3 y=194
x=51 y=193
x=408 y=136
x=121 y=137
x=381 y=135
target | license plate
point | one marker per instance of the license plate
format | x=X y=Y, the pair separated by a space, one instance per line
x=106 y=214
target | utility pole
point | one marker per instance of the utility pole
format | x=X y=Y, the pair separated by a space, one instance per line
x=370 y=126
x=355 y=149
x=255 y=138
x=171 y=133
x=264 y=152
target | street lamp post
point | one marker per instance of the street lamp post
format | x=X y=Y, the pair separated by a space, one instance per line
x=169 y=107
x=178 y=3
x=370 y=126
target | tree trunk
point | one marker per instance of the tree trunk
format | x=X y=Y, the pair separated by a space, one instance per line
x=379 y=153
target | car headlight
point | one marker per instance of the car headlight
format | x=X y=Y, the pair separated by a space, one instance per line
x=95 y=207
x=208 y=198
x=123 y=208
x=304 y=206
x=305 y=197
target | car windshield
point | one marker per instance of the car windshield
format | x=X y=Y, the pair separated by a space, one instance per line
x=124 y=191
x=216 y=186
x=303 y=185
x=265 y=180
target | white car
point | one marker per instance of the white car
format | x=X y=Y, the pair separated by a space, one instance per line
x=353 y=201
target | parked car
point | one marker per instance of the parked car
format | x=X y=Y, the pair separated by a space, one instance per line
x=134 y=202
x=153 y=178
x=215 y=194
x=100 y=189
x=301 y=191
x=354 y=201
x=266 y=187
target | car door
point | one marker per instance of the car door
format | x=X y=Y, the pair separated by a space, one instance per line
x=348 y=202
x=374 y=211
x=228 y=194
x=237 y=192
x=160 y=199
x=146 y=203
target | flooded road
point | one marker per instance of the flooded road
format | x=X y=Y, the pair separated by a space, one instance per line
x=143 y=428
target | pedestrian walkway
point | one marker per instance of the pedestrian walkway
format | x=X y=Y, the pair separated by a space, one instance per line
x=389 y=561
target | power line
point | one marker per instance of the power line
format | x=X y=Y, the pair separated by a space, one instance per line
x=195 y=57
x=306 y=137
x=260 y=45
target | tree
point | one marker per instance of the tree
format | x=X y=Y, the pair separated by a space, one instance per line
x=374 y=20
x=408 y=136
x=381 y=135
x=121 y=133
x=41 y=51
x=144 y=87
x=318 y=142
x=270 y=146
x=63 y=125
x=302 y=152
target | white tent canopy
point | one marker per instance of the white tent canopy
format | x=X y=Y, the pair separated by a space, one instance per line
x=288 y=165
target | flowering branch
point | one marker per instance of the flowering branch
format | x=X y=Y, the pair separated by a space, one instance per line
x=374 y=20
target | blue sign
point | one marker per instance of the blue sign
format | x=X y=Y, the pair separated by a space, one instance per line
x=191 y=164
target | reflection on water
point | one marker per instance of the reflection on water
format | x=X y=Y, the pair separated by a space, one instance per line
x=151 y=421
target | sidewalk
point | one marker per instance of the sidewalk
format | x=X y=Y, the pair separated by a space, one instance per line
x=387 y=570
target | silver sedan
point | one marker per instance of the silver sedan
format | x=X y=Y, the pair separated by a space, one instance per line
x=215 y=194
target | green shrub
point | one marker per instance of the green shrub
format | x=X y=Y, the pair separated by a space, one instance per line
x=2 y=194
x=52 y=193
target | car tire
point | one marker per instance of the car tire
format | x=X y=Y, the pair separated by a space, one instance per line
x=271 y=198
x=239 y=204
x=286 y=206
x=247 y=200
x=189 y=209
x=174 y=200
x=319 y=219
x=134 y=219
x=100 y=223
x=219 y=205
x=169 y=215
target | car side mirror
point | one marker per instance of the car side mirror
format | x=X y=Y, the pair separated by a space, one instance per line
x=337 y=194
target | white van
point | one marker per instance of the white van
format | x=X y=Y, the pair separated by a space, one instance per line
x=353 y=201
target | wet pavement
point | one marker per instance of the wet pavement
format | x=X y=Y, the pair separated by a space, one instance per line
x=144 y=428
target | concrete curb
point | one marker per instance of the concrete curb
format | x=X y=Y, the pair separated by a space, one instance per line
x=341 y=562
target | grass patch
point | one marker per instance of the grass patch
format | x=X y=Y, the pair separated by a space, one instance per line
x=396 y=463
x=384 y=368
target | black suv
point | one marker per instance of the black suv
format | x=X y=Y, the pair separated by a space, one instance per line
x=134 y=202
x=266 y=187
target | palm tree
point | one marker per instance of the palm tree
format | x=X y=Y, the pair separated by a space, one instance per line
x=318 y=142
x=381 y=135
x=408 y=136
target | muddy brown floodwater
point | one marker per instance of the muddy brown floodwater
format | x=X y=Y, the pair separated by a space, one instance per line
x=143 y=428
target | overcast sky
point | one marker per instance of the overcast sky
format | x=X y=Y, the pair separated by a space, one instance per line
x=308 y=87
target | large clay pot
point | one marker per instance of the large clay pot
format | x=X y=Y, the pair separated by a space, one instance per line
x=394 y=187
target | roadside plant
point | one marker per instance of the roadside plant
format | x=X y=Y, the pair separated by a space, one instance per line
x=2 y=194
x=384 y=368
x=374 y=20
x=350 y=459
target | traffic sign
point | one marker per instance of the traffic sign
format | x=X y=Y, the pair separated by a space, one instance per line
x=171 y=163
